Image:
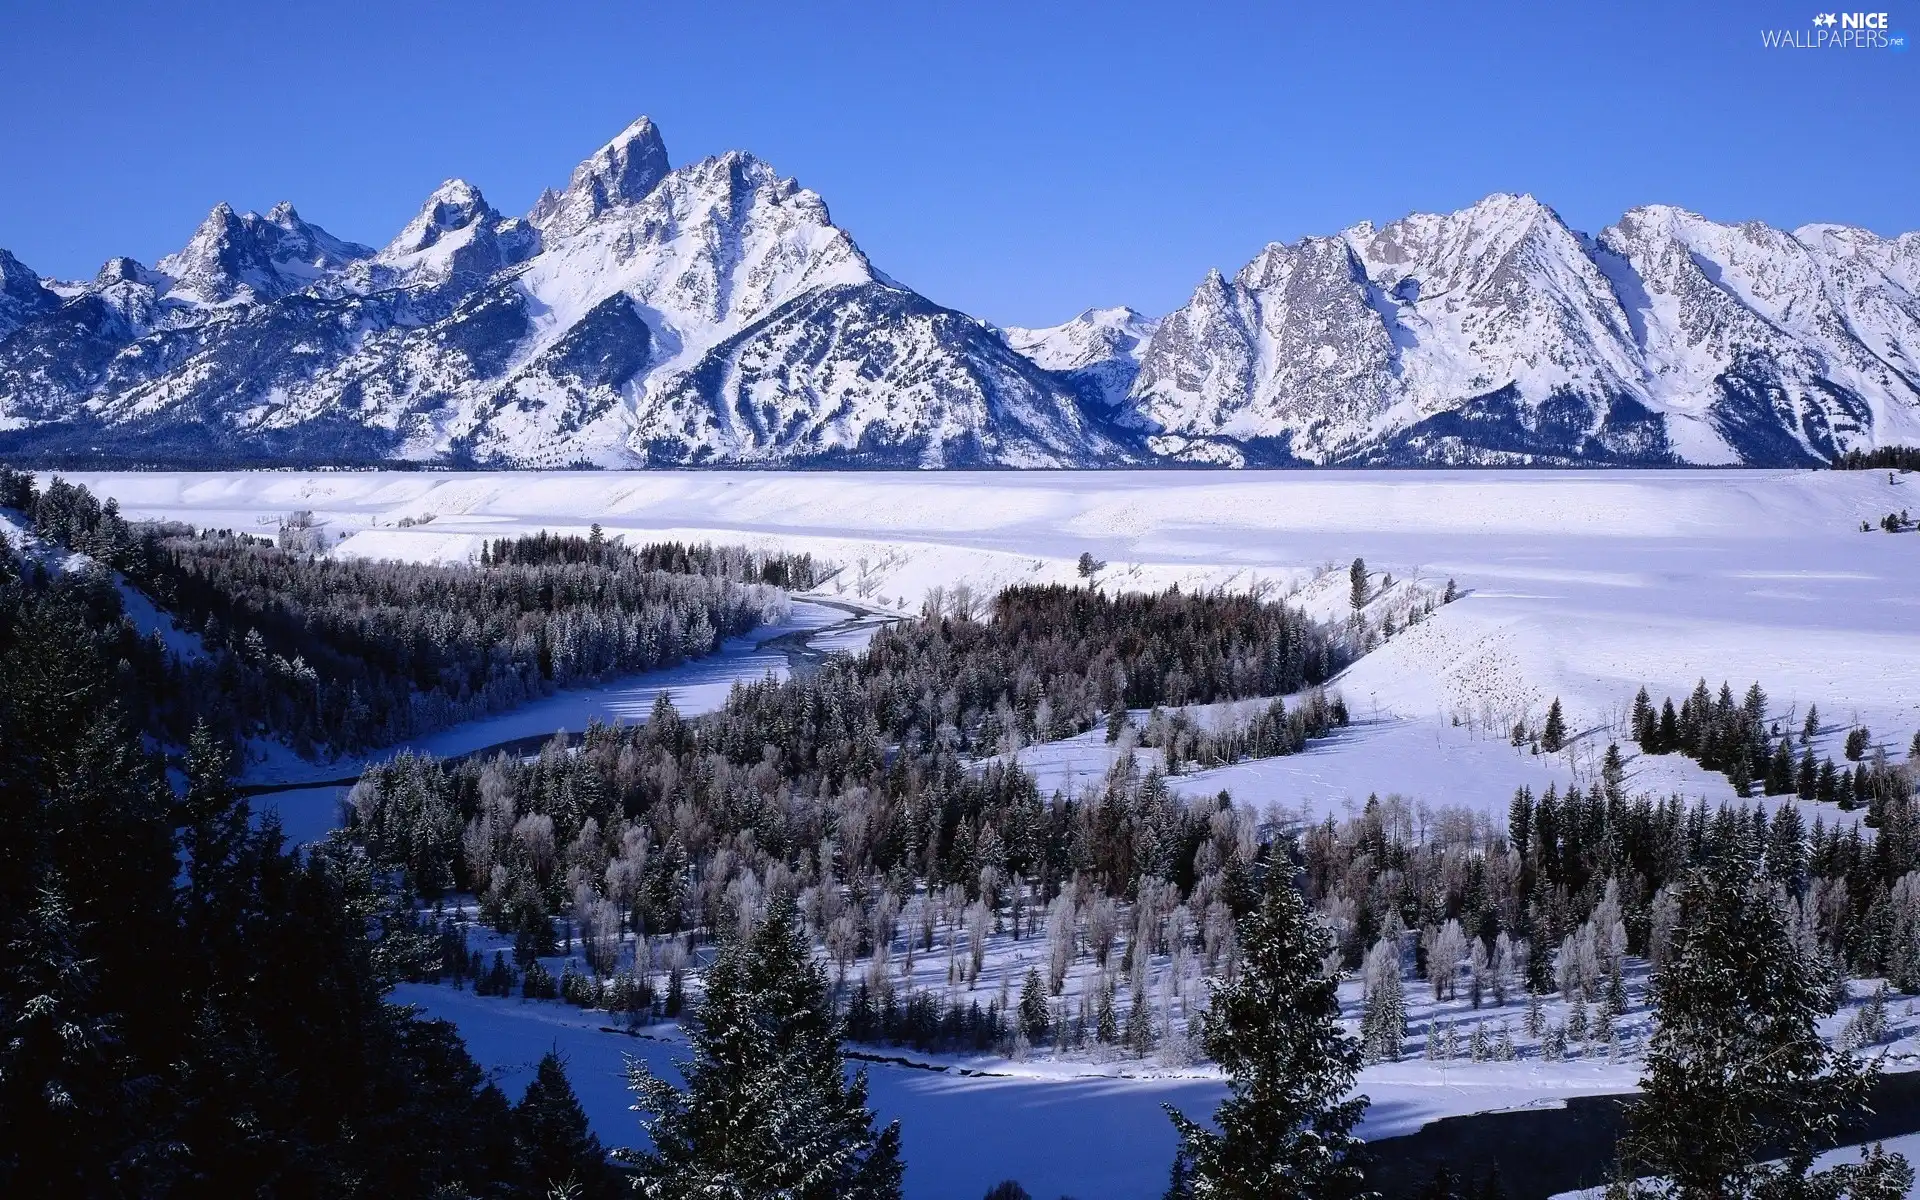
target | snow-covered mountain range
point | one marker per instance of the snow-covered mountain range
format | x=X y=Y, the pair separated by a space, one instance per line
x=648 y=315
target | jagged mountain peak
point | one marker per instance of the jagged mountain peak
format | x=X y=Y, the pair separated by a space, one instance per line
x=1496 y=333
x=23 y=296
x=453 y=206
x=1099 y=349
x=712 y=244
x=244 y=257
x=1463 y=249
x=15 y=274
x=456 y=241
x=622 y=172
x=1090 y=335
x=123 y=268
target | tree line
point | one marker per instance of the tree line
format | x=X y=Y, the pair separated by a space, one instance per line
x=1880 y=458
x=1735 y=739
x=791 y=571
x=333 y=655
x=860 y=776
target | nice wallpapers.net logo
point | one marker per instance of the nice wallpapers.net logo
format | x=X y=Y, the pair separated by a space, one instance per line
x=1838 y=31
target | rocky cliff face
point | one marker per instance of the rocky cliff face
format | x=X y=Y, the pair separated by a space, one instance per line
x=1498 y=335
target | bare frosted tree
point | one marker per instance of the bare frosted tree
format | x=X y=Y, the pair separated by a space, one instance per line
x=1062 y=941
x=962 y=603
x=599 y=922
x=1103 y=924
x=884 y=921
x=979 y=922
x=1446 y=946
x=925 y=915
x=1661 y=922
x=843 y=944
x=1500 y=974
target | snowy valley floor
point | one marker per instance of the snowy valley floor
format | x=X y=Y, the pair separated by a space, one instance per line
x=1583 y=585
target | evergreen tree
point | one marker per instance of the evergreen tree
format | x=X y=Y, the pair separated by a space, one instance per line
x=1857 y=741
x=1669 y=735
x=1445 y=1185
x=1613 y=774
x=1383 y=1022
x=557 y=1148
x=1736 y=1070
x=1357 y=584
x=1286 y=1128
x=1553 y=735
x=1034 y=1019
x=768 y=1109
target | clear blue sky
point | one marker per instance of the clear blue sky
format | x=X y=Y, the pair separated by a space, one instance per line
x=1018 y=161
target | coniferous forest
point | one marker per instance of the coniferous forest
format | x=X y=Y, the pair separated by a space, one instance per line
x=191 y=1007
x=334 y=655
x=194 y=1007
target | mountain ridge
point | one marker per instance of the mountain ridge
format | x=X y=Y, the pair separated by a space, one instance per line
x=713 y=314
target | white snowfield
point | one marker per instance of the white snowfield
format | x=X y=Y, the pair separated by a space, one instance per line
x=1578 y=584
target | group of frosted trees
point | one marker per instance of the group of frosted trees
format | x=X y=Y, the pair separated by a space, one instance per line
x=1588 y=969
x=1740 y=1090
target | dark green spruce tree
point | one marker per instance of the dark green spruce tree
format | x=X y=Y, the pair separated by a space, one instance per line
x=561 y=1155
x=768 y=1109
x=1286 y=1128
x=1553 y=735
x=1740 y=1092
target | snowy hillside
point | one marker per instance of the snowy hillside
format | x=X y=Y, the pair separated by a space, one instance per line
x=713 y=313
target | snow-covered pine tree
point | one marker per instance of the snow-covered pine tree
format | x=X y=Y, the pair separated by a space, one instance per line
x=1034 y=1019
x=1286 y=1128
x=1553 y=1043
x=768 y=1108
x=1736 y=1069
x=1383 y=1022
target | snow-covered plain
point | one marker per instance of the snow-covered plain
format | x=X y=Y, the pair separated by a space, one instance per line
x=1576 y=585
